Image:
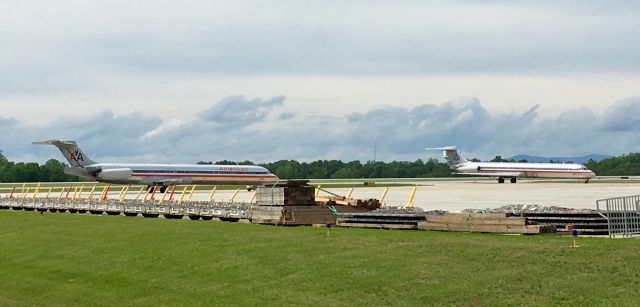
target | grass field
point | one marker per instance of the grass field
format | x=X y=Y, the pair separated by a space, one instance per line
x=65 y=259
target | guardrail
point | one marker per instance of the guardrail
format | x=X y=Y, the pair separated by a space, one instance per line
x=622 y=214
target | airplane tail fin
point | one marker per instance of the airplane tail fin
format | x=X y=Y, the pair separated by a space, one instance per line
x=451 y=155
x=71 y=151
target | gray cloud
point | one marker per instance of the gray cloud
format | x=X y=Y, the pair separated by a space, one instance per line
x=60 y=49
x=7 y=122
x=286 y=115
x=237 y=111
x=103 y=134
x=622 y=116
x=400 y=133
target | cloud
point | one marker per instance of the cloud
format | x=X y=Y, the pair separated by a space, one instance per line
x=64 y=48
x=623 y=116
x=103 y=134
x=286 y=115
x=7 y=122
x=237 y=111
x=400 y=133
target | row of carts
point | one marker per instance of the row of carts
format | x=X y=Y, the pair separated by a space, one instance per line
x=170 y=205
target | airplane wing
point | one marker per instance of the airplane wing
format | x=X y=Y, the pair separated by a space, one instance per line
x=495 y=174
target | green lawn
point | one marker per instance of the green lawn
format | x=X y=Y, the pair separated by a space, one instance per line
x=66 y=259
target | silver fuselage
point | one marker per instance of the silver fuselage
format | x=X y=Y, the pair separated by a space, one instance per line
x=167 y=174
x=528 y=170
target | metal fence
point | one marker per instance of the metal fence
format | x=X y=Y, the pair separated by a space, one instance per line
x=622 y=214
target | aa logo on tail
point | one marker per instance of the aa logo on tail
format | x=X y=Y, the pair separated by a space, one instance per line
x=75 y=156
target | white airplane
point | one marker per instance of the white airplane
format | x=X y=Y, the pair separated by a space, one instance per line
x=162 y=175
x=513 y=170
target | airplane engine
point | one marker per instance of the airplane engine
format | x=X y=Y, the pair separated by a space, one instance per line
x=115 y=174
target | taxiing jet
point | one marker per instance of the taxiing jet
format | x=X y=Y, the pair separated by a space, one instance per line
x=513 y=170
x=162 y=175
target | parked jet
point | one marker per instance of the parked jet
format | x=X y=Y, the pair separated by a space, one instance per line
x=162 y=175
x=513 y=170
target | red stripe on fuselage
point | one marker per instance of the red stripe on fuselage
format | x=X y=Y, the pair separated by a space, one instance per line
x=534 y=171
x=201 y=175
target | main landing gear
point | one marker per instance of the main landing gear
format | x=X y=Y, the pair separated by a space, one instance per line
x=512 y=180
x=151 y=188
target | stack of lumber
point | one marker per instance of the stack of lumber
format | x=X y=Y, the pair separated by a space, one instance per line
x=584 y=221
x=380 y=219
x=474 y=222
x=286 y=196
x=296 y=215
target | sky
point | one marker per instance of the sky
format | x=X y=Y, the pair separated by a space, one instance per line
x=162 y=81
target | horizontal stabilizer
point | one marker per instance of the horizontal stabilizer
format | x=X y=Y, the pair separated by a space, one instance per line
x=54 y=142
x=442 y=148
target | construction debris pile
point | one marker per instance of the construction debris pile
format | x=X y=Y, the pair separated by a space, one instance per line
x=369 y=204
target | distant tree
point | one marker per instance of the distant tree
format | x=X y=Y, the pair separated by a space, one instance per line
x=345 y=173
x=500 y=159
x=497 y=159
x=5 y=168
x=624 y=165
x=288 y=170
x=26 y=172
x=441 y=170
x=52 y=171
x=226 y=162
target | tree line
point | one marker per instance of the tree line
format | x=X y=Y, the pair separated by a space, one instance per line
x=624 y=165
x=336 y=169
x=51 y=171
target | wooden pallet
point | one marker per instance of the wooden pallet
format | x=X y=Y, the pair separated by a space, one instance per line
x=490 y=223
x=377 y=226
